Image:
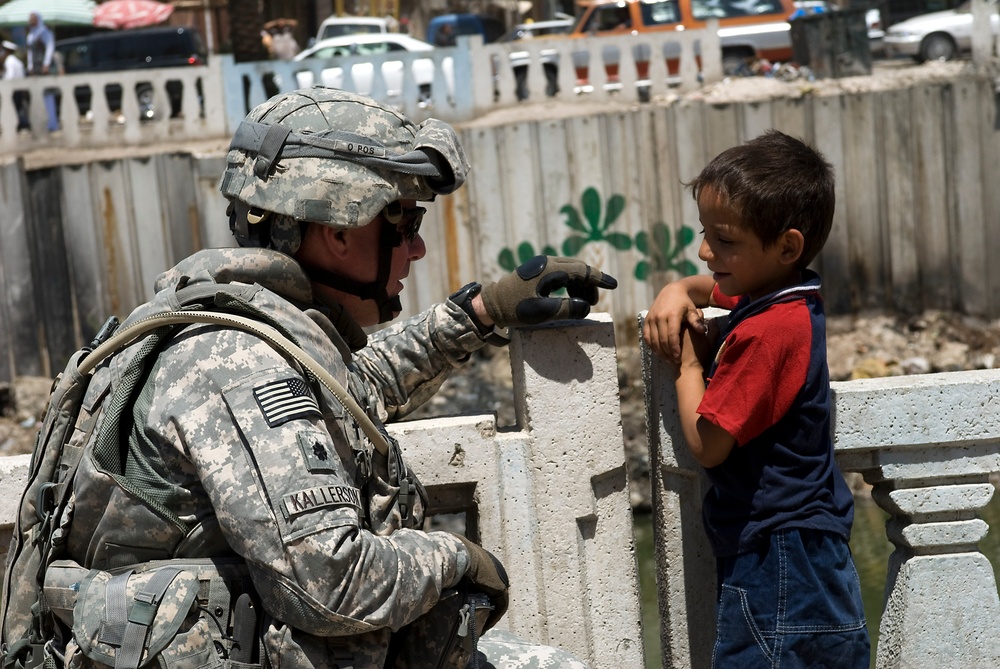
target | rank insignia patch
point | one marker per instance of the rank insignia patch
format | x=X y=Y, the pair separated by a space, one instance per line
x=285 y=400
x=317 y=453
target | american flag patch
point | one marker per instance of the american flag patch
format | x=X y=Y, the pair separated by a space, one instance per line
x=285 y=400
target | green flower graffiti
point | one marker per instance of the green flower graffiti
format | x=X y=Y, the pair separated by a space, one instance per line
x=594 y=230
x=662 y=254
x=661 y=251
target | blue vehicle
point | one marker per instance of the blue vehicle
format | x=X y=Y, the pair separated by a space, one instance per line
x=466 y=24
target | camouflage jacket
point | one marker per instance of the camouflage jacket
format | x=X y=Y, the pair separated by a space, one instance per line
x=248 y=460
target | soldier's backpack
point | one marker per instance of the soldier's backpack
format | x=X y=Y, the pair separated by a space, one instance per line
x=27 y=622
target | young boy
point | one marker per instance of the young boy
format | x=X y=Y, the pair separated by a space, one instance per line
x=779 y=513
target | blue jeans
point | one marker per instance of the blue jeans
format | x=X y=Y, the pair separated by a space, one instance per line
x=795 y=602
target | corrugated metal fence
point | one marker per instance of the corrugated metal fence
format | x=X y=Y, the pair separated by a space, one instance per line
x=915 y=228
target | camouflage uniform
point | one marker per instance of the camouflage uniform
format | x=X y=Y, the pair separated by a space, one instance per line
x=229 y=453
x=284 y=497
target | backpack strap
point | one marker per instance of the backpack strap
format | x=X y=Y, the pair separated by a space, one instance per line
x=128 y=628
x=25 y=651
x=378 y=437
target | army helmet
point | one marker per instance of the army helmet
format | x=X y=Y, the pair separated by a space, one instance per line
x=329 y=157
x=332 y=157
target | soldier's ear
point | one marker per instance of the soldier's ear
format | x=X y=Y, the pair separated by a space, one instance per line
x=321 y=244
x=325 y=241
x=338 y=240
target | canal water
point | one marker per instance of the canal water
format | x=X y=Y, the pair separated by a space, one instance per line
x=869 y=546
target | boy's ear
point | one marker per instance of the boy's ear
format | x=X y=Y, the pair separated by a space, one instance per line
x=791 y=243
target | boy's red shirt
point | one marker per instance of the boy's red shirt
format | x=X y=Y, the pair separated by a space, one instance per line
x=770 y=389
x=760 y=370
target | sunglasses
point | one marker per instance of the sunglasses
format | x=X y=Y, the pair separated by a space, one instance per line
x=406 y=219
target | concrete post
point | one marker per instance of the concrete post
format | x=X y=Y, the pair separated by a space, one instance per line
x=13 y=480
x=928 y=444
x=549 y=497
x=685 y=566
x=566 y=397
x=472 y=94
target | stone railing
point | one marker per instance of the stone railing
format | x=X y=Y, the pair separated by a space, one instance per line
x=467 y=81
x=472 y=79
x=165 y=105
x=548 y=495
x=927 y=444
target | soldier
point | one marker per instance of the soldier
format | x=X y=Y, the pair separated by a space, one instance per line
x=228 y=452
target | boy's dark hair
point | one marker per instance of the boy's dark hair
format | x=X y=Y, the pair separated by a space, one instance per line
x=775 y=183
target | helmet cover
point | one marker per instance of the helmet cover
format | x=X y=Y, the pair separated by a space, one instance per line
x=337 y=158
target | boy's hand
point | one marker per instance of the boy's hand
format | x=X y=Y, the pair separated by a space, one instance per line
x=662 y=328
x=709 y=444
x=695 y=349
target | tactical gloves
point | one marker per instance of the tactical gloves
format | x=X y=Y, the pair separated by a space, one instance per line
x=486 y=574
x=523 y=296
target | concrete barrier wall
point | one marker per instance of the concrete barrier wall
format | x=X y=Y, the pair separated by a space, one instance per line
x=548 y=495
x=928 y=445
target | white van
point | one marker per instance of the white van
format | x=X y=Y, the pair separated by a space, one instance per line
x=337 y=26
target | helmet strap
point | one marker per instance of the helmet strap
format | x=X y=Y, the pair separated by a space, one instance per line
x=375 y=290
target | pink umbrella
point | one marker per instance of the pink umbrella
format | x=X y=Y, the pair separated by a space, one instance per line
x=117 y=14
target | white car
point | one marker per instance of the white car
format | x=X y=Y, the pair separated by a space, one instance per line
x=935 y=36
x=337 y=26
x=379 y=47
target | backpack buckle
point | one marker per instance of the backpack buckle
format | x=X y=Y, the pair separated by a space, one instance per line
x=45 y=501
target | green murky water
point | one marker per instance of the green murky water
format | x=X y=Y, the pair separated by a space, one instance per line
x=869 y=545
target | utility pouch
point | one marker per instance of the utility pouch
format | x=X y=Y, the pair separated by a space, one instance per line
x=445 y=637
x=127 y=620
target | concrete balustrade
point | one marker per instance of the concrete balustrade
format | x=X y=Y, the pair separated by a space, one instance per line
x=469 y=80
x=928 y=445
x=473 y=79
x=199 y=117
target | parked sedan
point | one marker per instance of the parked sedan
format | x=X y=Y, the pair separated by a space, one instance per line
x=379 y=46
x=935 y=36
x=145 y=48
